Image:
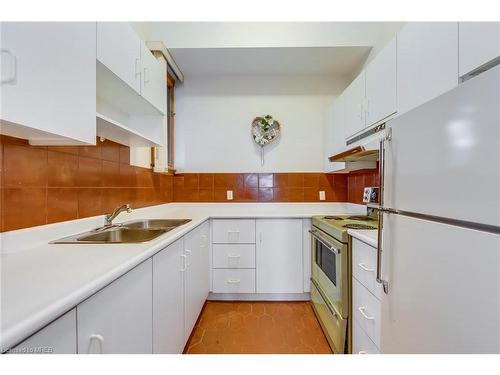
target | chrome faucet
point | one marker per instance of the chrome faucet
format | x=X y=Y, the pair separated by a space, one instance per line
x=108 y=219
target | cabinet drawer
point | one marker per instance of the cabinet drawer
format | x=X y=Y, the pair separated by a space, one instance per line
x=364 y=265
x=361 y=343
x=233 y=281
x=366 y=311
x=233 y=256
x=233 y=231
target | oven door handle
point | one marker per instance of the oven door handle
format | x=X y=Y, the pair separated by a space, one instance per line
x=330 y=307
x=316 y=235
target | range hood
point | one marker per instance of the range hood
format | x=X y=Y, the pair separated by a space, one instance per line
x=363 y=153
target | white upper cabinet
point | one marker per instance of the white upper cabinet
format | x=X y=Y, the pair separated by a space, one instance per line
x=427 y=62
x=279 y=256
x=334 y=134
x=154 y=80
x=381 y=99
x=119 y=49
x=48 y=81
x=479 y=43
x=354 y=97
x=119 y=318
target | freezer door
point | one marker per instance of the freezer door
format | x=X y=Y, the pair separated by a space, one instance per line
x=444 y=156
x=444 y=288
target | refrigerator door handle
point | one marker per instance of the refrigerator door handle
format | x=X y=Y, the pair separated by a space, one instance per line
x=380 y=209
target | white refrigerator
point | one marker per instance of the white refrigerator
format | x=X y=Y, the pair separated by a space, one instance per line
x=439 y=253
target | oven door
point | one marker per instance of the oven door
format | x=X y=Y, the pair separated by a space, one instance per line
x=329 y=270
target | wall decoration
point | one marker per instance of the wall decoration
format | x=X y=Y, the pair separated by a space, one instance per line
x=265 y=130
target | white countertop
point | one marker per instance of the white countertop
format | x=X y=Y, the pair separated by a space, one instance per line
x=368 y=236
x=41 y=281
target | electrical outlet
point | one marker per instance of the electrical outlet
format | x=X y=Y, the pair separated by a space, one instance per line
x=322 y=195
x=229 y=195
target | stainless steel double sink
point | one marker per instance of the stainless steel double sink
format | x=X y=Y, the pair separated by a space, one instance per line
x=129 y=232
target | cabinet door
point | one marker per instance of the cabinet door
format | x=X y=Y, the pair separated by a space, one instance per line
x=479 y=43
x=118 y=318
x=196 y=247
x=154 y=80
x=354 y=109
x=381 y=100
x=119 y=49
x=169 y=267
x=48 y=81
x=427 y=62
x=279 y=256
x=59 y=337
x=334 y=133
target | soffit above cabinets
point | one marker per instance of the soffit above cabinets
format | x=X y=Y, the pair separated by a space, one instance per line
x=321 y=61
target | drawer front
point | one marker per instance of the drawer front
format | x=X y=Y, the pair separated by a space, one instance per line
x=361 y=343
x=366 y=311
x=364 y=266
x=233 y=231
x=233 y=281
x=233 y=256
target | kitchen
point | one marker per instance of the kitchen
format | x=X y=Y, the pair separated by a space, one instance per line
x=175 y=190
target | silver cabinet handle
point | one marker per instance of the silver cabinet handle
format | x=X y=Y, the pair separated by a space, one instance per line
x=99 y=339
x=362 y=352
x=146 y=80
x=364 y=268
x=362 y=311
x=234 y=256
x=11 y=78
x=233 y=281
x=189 y=252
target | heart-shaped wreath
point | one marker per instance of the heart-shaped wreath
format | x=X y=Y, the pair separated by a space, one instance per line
x=265 y=130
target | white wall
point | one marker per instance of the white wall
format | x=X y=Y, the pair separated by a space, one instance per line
x=213 y=117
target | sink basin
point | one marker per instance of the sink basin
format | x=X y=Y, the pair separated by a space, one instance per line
x=130 y=232
x=156 y=223
x=121 y=235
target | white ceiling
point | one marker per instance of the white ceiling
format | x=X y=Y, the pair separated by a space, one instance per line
x=324 y=61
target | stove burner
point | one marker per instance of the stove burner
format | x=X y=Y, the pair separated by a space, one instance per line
x=358 y=226
x=332 y=218
x=361 y=218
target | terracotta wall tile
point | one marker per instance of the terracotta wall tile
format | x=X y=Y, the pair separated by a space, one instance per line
x=280 y=180
x=248 y=194
x=265 y=194
x=62 y=169
x=91 y=151
x=281 y=194
x=206 y=195
x=62 y=204
x=206 y=180
x=57 y=183
x=124 y=155
x=110 y=174
x=89 y=202
x=191 y=181
x=89 y=171
x=24 y=166
x=266 y=180
x=110 y=151
x=295 y=180
x=311 y=194
x=24 y=207
x=296 y=194
x=251 y=180
x=311 y=180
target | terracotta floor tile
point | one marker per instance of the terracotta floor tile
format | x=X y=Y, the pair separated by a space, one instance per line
x=258 y=328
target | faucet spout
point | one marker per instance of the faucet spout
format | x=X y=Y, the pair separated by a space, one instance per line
x=108 y=218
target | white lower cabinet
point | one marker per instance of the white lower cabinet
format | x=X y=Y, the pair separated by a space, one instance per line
x=361 y=343
x=118 y=318
x=169 y=267
x=196 y=249
x=233 y=281
x=59 y=337
x=279 y=256
x=233 y=256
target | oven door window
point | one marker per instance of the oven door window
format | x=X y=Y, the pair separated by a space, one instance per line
x=326 y=261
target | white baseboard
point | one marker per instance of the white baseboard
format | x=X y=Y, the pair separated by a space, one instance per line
x=259 y=297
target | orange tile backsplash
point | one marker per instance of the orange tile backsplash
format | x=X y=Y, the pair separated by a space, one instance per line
x=40 y=185
x=259 y=187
